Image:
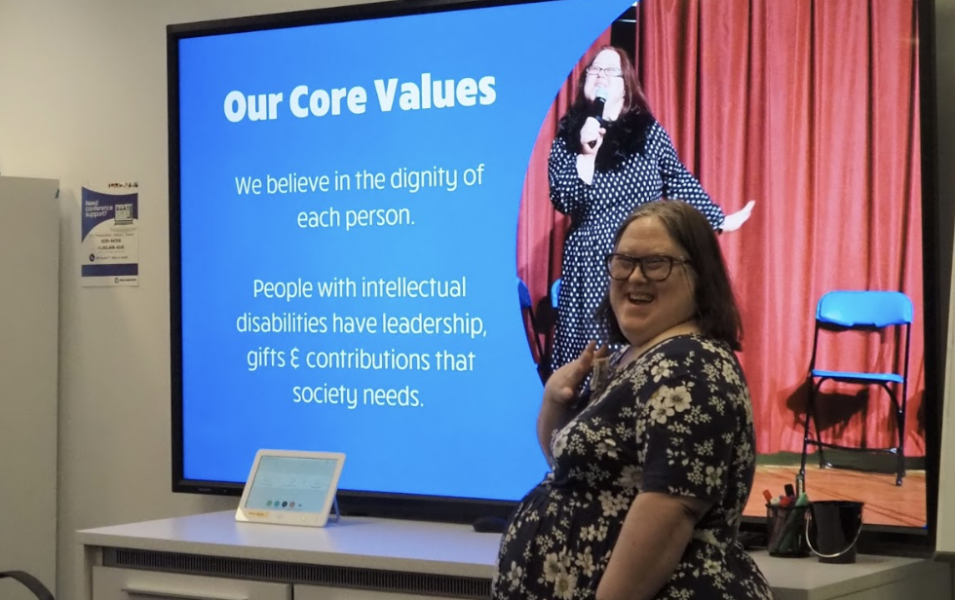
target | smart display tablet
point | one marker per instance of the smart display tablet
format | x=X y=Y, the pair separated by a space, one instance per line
x=291 y=488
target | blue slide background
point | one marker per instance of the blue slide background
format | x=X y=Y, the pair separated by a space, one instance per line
x=474 y=436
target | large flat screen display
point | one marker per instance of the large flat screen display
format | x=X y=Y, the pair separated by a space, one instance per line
x=382 y=241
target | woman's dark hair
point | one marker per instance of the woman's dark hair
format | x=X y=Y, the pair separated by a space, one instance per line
x=634 y=100
x=627 y=134
x=717 y=313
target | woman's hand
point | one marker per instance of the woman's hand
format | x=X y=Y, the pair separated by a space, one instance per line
x=591 y=136
x=735 y=221
x=560 y=393
x=562 y=385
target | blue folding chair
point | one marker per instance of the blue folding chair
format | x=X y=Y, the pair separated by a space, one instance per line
x=860 y=311
x=527 y=309
x=555 y=292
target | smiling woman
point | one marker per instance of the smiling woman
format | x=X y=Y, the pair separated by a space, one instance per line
x=653 y=463
x=673 y=245
x=648 y=302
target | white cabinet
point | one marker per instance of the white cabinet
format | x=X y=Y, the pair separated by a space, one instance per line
x=132 y=584
x=29 y=322
x=311 y=592
x=212 y=557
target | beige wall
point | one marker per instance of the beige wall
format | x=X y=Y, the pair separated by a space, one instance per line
x=83 y=98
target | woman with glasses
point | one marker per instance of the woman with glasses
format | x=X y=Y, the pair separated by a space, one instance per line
x=653 y=464
x=603 y=163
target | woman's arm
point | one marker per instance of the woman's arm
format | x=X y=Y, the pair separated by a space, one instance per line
x=568 y=192
x=553 y=416
x=560 y=396
x=655 y=534
x=680 y=184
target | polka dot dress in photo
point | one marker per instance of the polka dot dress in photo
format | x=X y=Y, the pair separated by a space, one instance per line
x=596 y=211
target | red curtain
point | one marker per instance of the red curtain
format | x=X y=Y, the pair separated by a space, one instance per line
x=810 y=108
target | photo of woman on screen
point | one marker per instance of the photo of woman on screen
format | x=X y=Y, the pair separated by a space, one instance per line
x=609 y=157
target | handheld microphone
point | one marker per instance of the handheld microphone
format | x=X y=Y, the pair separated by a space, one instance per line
x=597 y=109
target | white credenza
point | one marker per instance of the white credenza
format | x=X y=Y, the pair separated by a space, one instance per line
x=127 y=584
x=212 y=557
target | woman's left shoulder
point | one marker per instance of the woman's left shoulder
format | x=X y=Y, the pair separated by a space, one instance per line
x=713 y=346
x=700 y=357
x=696 y=345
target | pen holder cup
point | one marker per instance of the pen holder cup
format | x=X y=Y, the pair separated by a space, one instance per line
x=785 y=531
x=832 y=530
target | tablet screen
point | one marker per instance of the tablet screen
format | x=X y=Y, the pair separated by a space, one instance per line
x=291 y=483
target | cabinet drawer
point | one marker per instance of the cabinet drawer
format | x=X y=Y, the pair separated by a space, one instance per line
x=131 y=584
x=311 y=592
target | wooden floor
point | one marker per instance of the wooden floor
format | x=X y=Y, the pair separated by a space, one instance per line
x=885 y=503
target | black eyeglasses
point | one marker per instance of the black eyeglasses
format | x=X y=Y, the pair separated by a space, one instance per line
x=656 y=267
x=608 y=71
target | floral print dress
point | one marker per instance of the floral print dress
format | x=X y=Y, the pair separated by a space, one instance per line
x=677 y=420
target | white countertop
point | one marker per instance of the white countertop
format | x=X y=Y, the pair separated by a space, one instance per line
x=442 y=549
x=413 y=546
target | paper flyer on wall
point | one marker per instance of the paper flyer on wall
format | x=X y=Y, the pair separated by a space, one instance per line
x=110 y=235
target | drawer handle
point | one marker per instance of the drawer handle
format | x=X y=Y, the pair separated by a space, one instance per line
x=174 y=596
